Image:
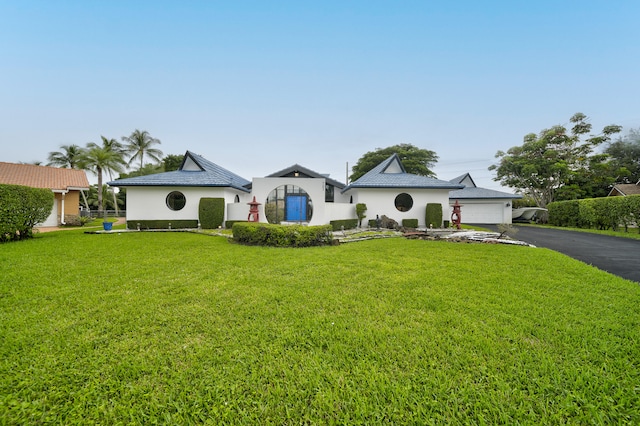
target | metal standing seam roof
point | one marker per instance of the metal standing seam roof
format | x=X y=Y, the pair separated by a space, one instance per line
x=473 y=192
x=54 y=178
x=378 y=178
x=209 y=175
x=483 y=193
x=307 y=172
x=461 y=179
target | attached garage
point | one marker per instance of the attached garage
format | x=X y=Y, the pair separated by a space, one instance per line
x=480 y=205
x=479 y=211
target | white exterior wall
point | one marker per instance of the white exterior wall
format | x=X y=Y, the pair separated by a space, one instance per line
x=238 y=211
x=261 y=188
x=340 y=211
x=149 y=202
x=382 y=202
x=339 y=197
x=483 y=211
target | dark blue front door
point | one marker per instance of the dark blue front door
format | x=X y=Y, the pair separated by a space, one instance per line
x=296 y=208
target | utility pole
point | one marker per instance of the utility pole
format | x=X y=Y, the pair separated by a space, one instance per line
x=347 y=174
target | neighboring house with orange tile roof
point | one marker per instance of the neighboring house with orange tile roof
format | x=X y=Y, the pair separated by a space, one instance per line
x=66 y=184
x=624 y=189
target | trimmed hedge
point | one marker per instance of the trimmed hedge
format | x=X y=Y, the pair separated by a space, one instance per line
x=229 y=223
x=211 y=212
x=410 y=223
x=565 y=213
x=22 y=208
x=433 y=215
x=337 y=225
x=600 y=213
x=361 y=212
x=162 y=224
x=266 y=234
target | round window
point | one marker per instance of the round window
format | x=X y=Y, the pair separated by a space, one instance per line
x=176 y=200
x=403 y=202
x=288 y=203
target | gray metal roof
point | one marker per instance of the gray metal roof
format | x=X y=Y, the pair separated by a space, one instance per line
x=462 y=178
x=208 y=174
x=379 y=178
x=481 y=193
x=307 y=172
x=473 y=192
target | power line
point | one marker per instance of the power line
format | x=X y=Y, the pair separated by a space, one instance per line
x=463 y=162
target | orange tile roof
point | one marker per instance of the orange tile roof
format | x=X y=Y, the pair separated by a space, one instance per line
x=42 y=176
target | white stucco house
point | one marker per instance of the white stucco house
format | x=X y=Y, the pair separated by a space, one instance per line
x=292 y=195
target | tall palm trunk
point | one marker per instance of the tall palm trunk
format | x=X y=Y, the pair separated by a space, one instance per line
x=99 y=170
x=113 y=192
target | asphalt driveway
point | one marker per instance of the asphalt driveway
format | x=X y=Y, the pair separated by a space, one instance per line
x=619 y=256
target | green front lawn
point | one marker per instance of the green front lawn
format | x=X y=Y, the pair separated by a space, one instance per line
x=632 y=233
x=183 y=328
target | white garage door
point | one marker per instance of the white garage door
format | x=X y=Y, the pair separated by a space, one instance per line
x=482 y=213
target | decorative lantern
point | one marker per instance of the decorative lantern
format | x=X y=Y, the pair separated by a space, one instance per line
x=254 y=215
x=456 y=216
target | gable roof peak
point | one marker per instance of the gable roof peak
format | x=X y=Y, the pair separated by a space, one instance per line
x=297 y=168
x=191 y=162
x=391 y=173
x=393 y=164
x=195 y=170
x=466 y=177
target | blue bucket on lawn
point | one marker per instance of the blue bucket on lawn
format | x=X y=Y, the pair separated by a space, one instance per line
x=107 y=225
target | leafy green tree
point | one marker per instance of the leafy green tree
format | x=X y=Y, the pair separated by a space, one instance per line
x=140 y=144
x=415 y=160
x=102 y=158
x=624 y=155
x=147 y=169
x=554 y=159
x=172 y=162
x=593 y=180
x=67 y=158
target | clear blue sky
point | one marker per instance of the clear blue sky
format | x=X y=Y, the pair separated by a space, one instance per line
x=259 y=86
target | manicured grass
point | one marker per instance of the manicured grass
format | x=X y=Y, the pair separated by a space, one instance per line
x=181 y=328
x=632 y=233
x=93 y=223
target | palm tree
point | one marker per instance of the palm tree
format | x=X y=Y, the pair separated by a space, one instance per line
x=106 y=201
x=139 y=144
x=113 y=145
x=100 y=159
x=68 y=157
